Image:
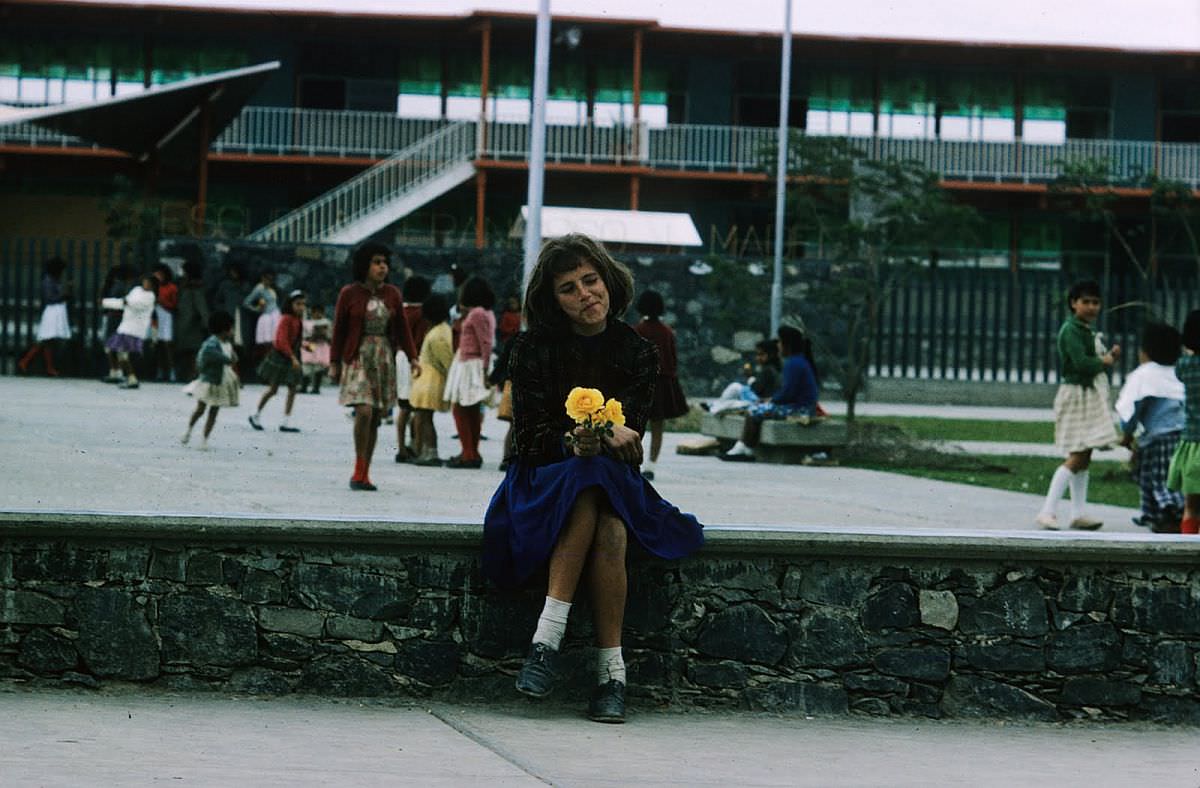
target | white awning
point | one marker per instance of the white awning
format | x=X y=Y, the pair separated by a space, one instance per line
x=640 y=228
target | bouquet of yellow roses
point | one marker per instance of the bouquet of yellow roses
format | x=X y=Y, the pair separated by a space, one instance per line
x=589 y=409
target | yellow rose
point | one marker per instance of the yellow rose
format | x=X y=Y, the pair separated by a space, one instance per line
x=582 y=403
x=614 y=413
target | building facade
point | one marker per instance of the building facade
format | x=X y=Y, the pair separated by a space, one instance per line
x=641 y=117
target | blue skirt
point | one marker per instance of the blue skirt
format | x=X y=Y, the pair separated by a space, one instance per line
x=531 y=506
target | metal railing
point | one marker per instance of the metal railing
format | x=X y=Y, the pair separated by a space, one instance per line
x=281 y=131
x=407 y=169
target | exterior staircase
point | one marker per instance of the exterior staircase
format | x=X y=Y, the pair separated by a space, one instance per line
x=384 y=193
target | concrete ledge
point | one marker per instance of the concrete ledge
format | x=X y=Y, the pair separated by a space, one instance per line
x=961 y=392
x=729 y=539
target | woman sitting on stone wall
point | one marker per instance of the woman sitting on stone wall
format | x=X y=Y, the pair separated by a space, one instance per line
x=572 y=496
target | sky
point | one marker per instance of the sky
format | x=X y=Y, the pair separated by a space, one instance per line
x=1170 y=25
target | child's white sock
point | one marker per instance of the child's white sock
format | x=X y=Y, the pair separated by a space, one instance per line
x=552 y=624
x=203 y=443
x=648 y=465
x=1058 y=485
x=741 y=448
x=609 y=665
x=287 y=421
x=1079 y=490
x=187 y=436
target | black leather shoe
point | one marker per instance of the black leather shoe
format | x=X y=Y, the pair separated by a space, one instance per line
x=736 y=457
x=608 y=703
x=364 y=486
x=459 y=462
x=540 y=671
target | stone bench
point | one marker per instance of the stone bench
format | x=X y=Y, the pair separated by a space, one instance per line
x=785 y=441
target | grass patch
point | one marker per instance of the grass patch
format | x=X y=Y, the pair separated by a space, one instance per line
x=931 y=429
x=1110 y=482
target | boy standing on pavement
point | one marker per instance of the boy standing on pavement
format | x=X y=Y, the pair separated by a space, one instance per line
x=1152 y=400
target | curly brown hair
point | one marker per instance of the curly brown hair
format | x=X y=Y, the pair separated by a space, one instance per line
x=560 y=256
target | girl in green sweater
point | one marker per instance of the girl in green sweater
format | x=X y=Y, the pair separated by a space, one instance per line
x=1082 y=417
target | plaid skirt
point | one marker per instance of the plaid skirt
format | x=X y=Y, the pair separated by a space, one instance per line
x=1150 y=472
x=277 y=370
x=1082 y=419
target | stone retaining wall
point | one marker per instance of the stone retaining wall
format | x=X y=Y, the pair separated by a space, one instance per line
x=1026 y=626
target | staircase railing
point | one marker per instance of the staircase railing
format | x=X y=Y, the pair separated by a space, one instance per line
x=366 y=192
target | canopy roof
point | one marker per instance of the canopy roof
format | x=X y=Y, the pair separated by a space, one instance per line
x=168 y=120
x=641 y=228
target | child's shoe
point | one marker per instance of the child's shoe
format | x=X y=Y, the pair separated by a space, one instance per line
x=187 y=436
x=1046 y=522
x=254 y=422
x=1085 y=523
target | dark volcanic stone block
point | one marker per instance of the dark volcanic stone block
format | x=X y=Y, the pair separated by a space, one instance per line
x=798 y=696
x=1094 y=691
x=353 y=592
x=44 y=652
x=429 y=662
x=975 y=696
x=922 y=664
x=1014 y=609
x=346 y=676
x=895 y=606
x=1083 y=648
x=205 y=629
x=115 y=640
x=828 y=639
x=745 y=633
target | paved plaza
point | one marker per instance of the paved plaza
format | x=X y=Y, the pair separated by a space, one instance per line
x=134 y=738
x=81 y=445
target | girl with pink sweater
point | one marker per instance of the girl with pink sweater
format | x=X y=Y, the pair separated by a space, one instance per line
x=466 y=382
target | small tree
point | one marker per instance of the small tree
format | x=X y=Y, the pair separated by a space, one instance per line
x=876 y=223
x=1088 y=187
x=134 y=216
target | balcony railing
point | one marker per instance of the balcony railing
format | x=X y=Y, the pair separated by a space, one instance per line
x=278 y=131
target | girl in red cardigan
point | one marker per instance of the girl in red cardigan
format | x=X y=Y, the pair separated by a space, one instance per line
x=466 y=383
x=281 y=367
x=368 y=328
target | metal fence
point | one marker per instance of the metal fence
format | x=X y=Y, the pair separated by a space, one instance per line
x=280 y=131
x=942 y=324
x=21 y=262
x=992 y=325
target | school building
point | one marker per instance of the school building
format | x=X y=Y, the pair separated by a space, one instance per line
x=415 y=128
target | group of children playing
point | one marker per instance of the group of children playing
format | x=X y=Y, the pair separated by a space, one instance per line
x=1158 y=410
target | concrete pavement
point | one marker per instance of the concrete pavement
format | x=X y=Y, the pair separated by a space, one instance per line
x=131 y=738
x=81 y=445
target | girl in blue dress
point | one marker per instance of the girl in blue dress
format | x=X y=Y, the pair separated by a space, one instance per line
x=571 y=501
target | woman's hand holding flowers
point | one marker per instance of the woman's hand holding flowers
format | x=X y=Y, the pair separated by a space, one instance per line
x=600 y=423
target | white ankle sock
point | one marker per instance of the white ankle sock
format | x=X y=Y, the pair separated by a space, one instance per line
x=740 y=448
x=287 y=420
x=1058 y=485
x=609 y=665
x=552 y=624
x=1079 y=489
x=648 y=465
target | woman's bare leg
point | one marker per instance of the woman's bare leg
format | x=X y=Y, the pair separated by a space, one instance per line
x=574 y=543
x=607 y=578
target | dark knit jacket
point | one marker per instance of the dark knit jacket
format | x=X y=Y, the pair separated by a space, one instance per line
x=545 y=365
